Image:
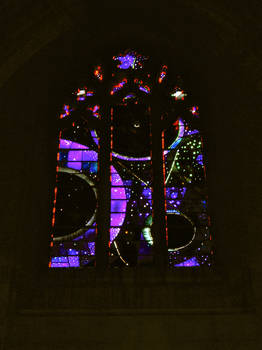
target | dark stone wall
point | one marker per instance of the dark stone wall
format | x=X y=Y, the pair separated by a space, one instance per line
x=47 y=48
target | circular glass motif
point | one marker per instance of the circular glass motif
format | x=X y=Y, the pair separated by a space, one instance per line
x=75 y=205
x=180 y=231
x=131 y=130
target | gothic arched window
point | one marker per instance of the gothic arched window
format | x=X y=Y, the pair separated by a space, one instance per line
x=130 y=183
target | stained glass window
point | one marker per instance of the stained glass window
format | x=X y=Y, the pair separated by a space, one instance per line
x=145 y=104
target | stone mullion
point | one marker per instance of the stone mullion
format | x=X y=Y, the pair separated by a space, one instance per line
x=158 y=195
x=103 y=205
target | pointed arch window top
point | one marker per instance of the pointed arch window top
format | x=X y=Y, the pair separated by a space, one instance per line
x=139 y=176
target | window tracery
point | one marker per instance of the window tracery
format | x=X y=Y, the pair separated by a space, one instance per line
x=132 y=237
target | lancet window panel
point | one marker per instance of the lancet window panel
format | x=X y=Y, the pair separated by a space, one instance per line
x=75 y=198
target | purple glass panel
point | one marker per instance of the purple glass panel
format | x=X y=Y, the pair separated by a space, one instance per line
x=118 y=193
x=74 y=261
x=118 y=206
x=94 y=135
x=65 y=143
x=174 y=192
x=59 y=265
x=116 y=179
x=74 y=165
x=72 y=252
x=192 y=132
x=147 y=192
x=77 y=145
x=117 y=219
x=114 y=231
x=91 y=247
x=60 y=259
x=199 y=159
x=75 y=156
x=90 y=156
x=190 y=262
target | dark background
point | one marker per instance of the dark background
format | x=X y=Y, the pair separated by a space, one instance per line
x=47 y=48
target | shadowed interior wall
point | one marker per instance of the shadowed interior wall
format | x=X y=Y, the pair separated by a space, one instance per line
x=47 y=49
